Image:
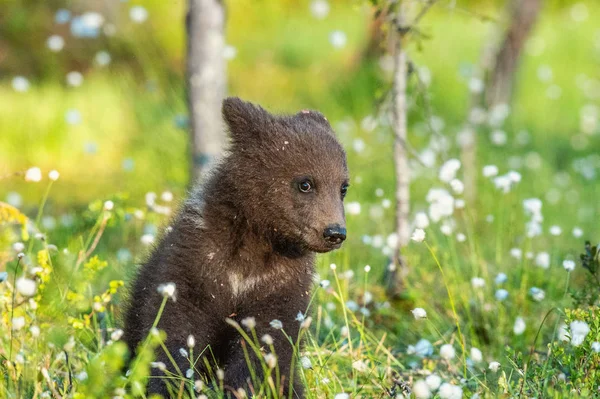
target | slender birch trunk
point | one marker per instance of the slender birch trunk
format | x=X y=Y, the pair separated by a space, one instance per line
x=399 y=113
x=206 y=78
x=522 y=14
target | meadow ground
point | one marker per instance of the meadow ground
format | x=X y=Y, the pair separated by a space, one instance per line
x=511 y=309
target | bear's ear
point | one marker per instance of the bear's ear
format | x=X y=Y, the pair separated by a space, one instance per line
x=244 y=118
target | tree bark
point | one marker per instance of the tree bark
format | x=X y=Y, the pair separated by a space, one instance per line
x=206 y=78
x=522 y=14
x=399 y=112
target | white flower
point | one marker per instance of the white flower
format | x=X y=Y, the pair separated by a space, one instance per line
x=449 y=391
x=158 y=365
x=579 y=330
x=494 y=366
x=183 y=352
x=447 y=228
x=477 y=282
x=457 y=186
x=419 y=313
x=460 y=237
x=555 y=230
x=26 y=287
x=569 y=265
x=18 y=247
x=276 y=324
x=421 y=220
x=306 y=323
x=447 y=351
x=537 y=294
x=198 y=386
x=109 y=205
x=476 y=85
x=267 y=339
x=167 y=196
x=516 y=253
x=514 y=177
x=596 y=346
x=74 y=79
x=55 y=43
x=421 y=389
x=191 y=341
x=271 y=360
x=490 y=170
x=138 y=14
x=543 y=260
x=353 y=208
x=367 y=269
x=33 y=174
x=392 y=240
x=167 y=290
x=333 y=266
x=319 y=8
x=18 y=323
x=476 y=355
x=116 y=335
x=35 y=331
x=422 y=348
x=418 y=235
x=20 y=84
x=577 y=232
x=449 y=169
x=500 y=278
x=53 y=175
x=189 y=373
x=501 y=294
x=102 y=58
x=519 y=327
x=433 y=381
x=249 y=322
x=338 y=39
x=306 y=363
x=324 y=283
x=341 y=396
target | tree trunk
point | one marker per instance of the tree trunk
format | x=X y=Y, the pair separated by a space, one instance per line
x=399 y=112
x=206 y=78
x=522 y=14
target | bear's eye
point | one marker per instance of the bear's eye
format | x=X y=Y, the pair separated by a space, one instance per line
x=305 y=186
x=344 y=190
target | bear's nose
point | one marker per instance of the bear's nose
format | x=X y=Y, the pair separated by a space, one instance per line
x=335 y=234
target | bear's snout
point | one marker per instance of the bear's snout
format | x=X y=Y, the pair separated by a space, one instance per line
x=334 y=234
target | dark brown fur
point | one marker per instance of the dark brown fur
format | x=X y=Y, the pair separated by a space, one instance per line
x=244 y=243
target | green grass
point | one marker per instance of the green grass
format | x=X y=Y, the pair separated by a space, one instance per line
x=285 y=62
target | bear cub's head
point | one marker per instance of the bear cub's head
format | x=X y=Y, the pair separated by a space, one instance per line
x=289 y=175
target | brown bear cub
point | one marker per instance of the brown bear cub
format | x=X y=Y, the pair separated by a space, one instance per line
x=244 y=244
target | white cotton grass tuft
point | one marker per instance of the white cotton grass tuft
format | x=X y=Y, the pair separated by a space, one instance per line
x=33 y=174
x=138 y=14
x=167 y=290
x=191 y=341
x=569 y=265
x=338 y=39
x=353 y=208
x=519 y=326
x=433 y=381
x=26 y=287
x=447 y=352
x=476 y=355
x=418 y=235
x=54 y=175
x=419 y=313
x=450 y=391
x=579 y=330
x=494 y=366
x=276 y=324
x=20 y=84
x=249 y=322
x=421 y=390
